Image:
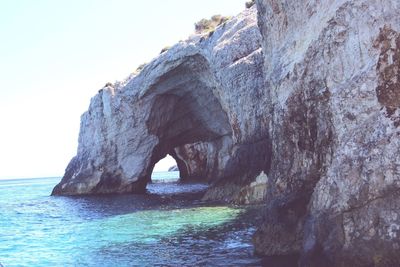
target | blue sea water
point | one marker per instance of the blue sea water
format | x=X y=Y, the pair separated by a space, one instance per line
x=169 y=226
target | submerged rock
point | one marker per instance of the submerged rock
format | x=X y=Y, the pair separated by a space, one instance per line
x=301 y=112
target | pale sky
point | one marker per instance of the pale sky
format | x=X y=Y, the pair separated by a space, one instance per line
x=56 y=54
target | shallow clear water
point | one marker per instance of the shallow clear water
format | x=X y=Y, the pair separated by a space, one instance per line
x=161 y=228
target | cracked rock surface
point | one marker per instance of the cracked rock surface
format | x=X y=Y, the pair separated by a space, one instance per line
x=332 y=72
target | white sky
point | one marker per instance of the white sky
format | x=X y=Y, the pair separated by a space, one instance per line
x=56 y=54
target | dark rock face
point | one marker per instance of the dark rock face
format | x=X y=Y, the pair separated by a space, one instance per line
x=198 y=161
x=388 y=90
x=388 y=69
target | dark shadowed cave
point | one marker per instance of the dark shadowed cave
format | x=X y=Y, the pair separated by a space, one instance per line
x=187 y=118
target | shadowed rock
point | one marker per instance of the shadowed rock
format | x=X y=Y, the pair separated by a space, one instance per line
x=332 y=71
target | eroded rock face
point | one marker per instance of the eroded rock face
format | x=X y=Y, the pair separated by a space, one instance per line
x=202 y=101
x=332 y=73
x=201 y=160
x=304 y=116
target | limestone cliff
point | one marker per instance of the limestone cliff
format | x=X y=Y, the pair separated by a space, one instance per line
x=202 y=101
x=300 y=110
x=332 y=73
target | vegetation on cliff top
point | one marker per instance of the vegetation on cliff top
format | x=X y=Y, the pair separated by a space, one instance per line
x=165 y=49
x=201 y=27
x=209 y=25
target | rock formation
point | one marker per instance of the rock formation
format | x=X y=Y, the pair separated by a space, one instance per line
x=301 y=111
x=173 y=168
x=196 y=102
x=332 y=73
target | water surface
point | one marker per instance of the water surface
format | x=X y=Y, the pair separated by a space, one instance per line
x=162 y=228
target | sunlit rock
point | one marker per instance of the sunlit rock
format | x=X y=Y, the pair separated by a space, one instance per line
x=202 y=102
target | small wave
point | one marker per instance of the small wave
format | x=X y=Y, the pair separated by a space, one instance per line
x=234 y=244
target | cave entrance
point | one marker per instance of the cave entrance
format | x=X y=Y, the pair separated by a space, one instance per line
x=188 y=122
x=166 y=170
x=180 y=113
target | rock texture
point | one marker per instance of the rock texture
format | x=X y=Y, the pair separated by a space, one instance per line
x=195 y=102
x=332 y=73
x=301 y=112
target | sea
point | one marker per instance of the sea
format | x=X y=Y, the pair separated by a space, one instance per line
x=167 y=226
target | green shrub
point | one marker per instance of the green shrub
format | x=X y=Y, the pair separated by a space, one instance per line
x=250 y=3
x=165 y=49
x=208 y=25
x=140 y=67
x=202 y=26
x=109 y=85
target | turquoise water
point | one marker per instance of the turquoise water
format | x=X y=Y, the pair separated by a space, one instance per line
x=169 y=226
x=165 y=176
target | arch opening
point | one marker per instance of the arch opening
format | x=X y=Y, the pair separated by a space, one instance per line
x=189 y=122
x=165 y=170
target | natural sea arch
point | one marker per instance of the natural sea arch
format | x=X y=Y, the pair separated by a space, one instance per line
x=183 y=117
x=203 y=101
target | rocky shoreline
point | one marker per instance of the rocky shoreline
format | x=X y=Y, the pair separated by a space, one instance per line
x=294 y=104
